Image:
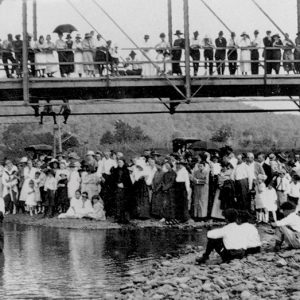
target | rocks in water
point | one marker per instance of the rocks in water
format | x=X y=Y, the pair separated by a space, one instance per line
x=246 y=295
x=281 y=262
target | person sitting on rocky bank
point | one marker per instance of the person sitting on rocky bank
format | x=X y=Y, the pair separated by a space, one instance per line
x=288 y=229
x=251 y=233
x=230 y=241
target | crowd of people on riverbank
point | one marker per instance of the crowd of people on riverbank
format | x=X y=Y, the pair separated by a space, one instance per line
x=177 y=188
x=92 y=54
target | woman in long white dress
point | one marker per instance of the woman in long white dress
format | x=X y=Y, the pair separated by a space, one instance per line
x=29 y=174
x=163 y=55
x=245 y=56
x=40 y=57
x=88 y=55
x=74 y=181
x=78 y=55
x=90 y=183
x=148 y=68
x=51 y=59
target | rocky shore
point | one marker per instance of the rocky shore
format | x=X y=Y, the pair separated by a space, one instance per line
x=267 y=275
x=38 y=220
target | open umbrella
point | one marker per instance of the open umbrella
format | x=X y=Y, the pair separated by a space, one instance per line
x=65 y=28
x=204 y=145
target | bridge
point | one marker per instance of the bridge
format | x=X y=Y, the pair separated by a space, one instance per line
x=177 y=89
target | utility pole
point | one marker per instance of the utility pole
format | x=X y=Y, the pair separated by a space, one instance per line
x=25 y=55
x=34 y=15
x=298 y=14
x=170 y=22
x=54 y=141
x=187 y=49
x=59 y=139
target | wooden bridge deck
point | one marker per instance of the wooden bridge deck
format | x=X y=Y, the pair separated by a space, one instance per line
x=151 y=87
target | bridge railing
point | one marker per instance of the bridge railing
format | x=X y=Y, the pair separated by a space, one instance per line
x=160 y=60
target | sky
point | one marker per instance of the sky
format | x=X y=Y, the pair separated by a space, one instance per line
x=139 y=17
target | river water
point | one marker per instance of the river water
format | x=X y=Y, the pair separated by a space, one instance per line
x=41 y=263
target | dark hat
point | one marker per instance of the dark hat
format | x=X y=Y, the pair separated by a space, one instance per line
x=276 y=35
x=162 y=35
x=68 y=36
x=233 y=33
x=221 y=32
x=256 y=31
x=146 y=36
x=132 y=53
x=282 y=156
x=196 y=32
x=50 y=171
x=178 y=32
x=268 y=31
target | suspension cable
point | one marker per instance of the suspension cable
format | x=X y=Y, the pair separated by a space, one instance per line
x=136 y=45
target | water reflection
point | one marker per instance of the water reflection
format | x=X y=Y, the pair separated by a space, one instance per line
x=59 y=263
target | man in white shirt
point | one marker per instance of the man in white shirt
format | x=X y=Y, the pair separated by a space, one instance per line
x=229 y=241
x=288 y=229
x=241 y=177
x=195 y=51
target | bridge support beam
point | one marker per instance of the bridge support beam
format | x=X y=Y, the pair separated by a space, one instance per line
x=187 y=49
x=298 y=14
x=34 y=15
x=25 y=55
x=170 y=22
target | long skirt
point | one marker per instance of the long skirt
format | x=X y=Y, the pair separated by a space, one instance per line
x=121 y=205
x=41 y=59
x=78 y=59
x=217 y=212
x=141 y=196
x=297 y=57
x=200 y=200
x=65 y=57
x=157 y=203
x=54 y=67
x=245 y=63
x=49 y=198
x=288 y=55
x=227 y=195
x=241 y=191
x=169 y=204
x=176 y=56
x=181 y=202
x=87 y=59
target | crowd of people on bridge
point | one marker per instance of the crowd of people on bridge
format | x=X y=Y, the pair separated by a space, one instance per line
x=92 y=55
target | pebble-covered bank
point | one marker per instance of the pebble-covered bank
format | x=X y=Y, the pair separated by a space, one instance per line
x=267 y=275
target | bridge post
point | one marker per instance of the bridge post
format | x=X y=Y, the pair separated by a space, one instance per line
x=170 y=23
x=187 y=49
x=298 y=14
x=34 y=15
x=25 y=55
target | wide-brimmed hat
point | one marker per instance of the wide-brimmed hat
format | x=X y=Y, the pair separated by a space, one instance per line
x=78 y=36
x=146 y=36
x=268 y=31
x=276 y=35
x=282 y=156
x=196 y=32
x=178 y=32
x=256 y=31
x=132 y=53
x=72 y=165
x=92 y=153
x=24 y=160
x=68 y=36
x=87 y=35
x=206 y=37
x=73 y=155
x=162 y=35
x=244 y=33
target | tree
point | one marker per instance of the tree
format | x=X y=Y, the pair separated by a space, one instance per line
x=69 y=141
x=223 y=134
x=107 y=138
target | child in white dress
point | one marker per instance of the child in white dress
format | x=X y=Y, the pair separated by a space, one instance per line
x=270 y=201
x=98 y=209
x=30 y=198
x=260 y=189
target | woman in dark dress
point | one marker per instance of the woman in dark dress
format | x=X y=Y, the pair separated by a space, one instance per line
x=69 y=56
x=297 y=53
x=276 y=53
x=168 y=189
x=122 y=185
x=176 y=53
x=227 y=188
x=157 y=193
x=62 y=199
x=141 y=194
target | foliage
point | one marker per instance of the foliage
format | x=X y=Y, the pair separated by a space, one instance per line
x=69 y=142
x=124 y=133
x=223 y=134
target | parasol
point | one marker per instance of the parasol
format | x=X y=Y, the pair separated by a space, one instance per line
x=65 y=28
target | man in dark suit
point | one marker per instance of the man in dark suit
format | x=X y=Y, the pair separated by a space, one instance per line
x=268 y=42
x=178 y=45
x=267 y=168
x=220 y=53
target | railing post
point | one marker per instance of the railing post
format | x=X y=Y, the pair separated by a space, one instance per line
x=187 y=49
x=265 y=71
x=25 y=55
x=34 y=16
